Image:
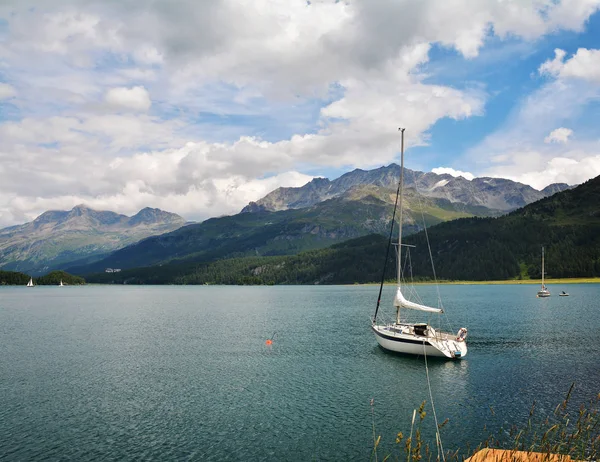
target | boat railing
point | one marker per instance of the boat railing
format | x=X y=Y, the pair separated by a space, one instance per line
x=437 y=335
x=443 y=336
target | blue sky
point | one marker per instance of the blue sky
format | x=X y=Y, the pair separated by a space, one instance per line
x=201 y=107
x=507 y=69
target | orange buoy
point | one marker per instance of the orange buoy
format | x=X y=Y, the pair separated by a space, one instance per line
x=270 y=340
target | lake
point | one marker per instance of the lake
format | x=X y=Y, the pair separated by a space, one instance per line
x=183 y=373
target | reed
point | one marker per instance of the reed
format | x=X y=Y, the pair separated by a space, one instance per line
x=572 y=432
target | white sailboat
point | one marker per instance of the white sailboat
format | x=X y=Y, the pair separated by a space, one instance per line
x=61 y=283
x=30 y=283
x=414 y=338
x=543 y=292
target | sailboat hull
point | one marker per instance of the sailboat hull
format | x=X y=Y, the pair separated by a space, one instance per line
x=440 y=346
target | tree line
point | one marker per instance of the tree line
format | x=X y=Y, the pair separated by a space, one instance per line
x=15 y=278
x=478 y=249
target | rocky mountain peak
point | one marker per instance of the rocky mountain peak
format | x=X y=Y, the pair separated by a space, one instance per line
x=81 y=210
x=499 y=194
x=56 y=238
x=253 y=207
x=555 y=187
x=150 y=215
x=319 y=181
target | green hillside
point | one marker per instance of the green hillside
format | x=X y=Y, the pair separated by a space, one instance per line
x=57 y=239
x=357 y=260
x=364 y=210
x=508 y=247
x=567 y=224
x=53 y=279
x=13 y=278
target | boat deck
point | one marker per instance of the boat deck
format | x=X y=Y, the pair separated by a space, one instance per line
x=409 y=329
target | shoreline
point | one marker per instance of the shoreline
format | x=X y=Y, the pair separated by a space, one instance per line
x=549 y=282
x=499 y=282
x=519 y=282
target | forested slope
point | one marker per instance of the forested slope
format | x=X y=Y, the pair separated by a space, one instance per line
x=508 y=247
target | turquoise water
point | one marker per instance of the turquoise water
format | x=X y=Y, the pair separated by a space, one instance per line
x=183 y=373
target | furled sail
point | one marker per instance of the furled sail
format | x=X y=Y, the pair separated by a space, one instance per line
x=402 y=302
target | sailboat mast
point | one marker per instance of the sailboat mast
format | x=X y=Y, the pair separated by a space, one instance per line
x=387 y=253
x=401 y=189
x=401 y=194
x=542 y=267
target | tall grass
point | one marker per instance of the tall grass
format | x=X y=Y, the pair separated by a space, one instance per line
x=568 y=431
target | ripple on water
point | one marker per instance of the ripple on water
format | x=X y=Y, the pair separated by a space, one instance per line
x=183 y=373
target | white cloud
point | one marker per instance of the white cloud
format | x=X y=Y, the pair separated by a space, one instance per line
x=450 y=171
x=559 y=135
x=6 y=91
x=585 y=64
x=136 y=98
x=516 y=150
x=84 y=134
x=215 y=197
x=561 y=170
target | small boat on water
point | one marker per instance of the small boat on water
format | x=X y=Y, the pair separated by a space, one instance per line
x=543 y=292
x=418 y=338
x=61 y=283
x=563 y=294
x=30 y=283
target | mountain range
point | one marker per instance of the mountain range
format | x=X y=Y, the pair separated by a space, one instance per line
x=362 y=210
x=321 y=213
x=284 y=222
x=492 y=248
x=499 y=195
x=57 y=239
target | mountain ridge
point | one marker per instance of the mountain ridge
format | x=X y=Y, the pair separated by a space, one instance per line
x=358 y=203
x=57 y=237
x=364 y=209
x=480 y=249
x=494 y=193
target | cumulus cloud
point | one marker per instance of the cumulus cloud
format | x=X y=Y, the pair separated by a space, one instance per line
x=6 y=91
x=559 y=135
x=136 y=98
x=219 y=196
x=584 y=64
x=516 y=151
x=450 y=171
x=561 y=170
x=340 y=76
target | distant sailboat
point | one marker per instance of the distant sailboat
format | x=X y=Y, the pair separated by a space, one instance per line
x=30 y=283
x=543 y=292
x=61 y=283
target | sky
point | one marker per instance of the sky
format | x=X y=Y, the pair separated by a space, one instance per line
x=198 y=107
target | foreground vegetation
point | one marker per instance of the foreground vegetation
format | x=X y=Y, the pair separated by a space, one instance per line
x=569 y=431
